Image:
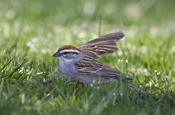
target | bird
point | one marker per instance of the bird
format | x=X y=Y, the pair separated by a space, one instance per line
x=81 y=63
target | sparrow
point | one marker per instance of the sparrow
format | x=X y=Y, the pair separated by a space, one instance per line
x=81 y=63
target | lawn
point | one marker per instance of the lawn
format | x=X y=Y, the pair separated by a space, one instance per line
x=32 y=30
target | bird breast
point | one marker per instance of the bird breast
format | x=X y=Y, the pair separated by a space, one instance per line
x=67 y=68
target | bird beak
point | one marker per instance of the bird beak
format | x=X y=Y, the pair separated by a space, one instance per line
x=56 y=54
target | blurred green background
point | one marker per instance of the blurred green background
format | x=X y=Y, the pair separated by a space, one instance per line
x=32 y=30
x=53 y=21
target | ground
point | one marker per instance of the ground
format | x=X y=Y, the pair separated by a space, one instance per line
x=31 y=31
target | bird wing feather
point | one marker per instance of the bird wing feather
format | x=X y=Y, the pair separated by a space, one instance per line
x=103 y=45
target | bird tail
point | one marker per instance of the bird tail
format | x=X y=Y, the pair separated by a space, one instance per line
x=137 y=88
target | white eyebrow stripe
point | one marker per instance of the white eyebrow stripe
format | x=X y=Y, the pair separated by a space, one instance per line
x=75 y=51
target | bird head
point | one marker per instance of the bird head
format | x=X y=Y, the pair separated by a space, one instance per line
x=67 y=52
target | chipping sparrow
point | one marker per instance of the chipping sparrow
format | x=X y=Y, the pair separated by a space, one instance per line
x=81 y=63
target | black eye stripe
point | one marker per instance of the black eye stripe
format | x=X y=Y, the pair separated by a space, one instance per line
x=64 y=53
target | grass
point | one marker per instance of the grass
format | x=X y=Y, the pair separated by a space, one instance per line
x=31 y=31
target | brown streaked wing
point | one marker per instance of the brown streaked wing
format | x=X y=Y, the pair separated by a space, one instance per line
x=103 y=45
x=110 y=72
x=98 y=69
x=112 y=36
x=88 y=65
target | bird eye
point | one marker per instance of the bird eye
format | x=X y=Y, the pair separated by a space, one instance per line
x=65 y=53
